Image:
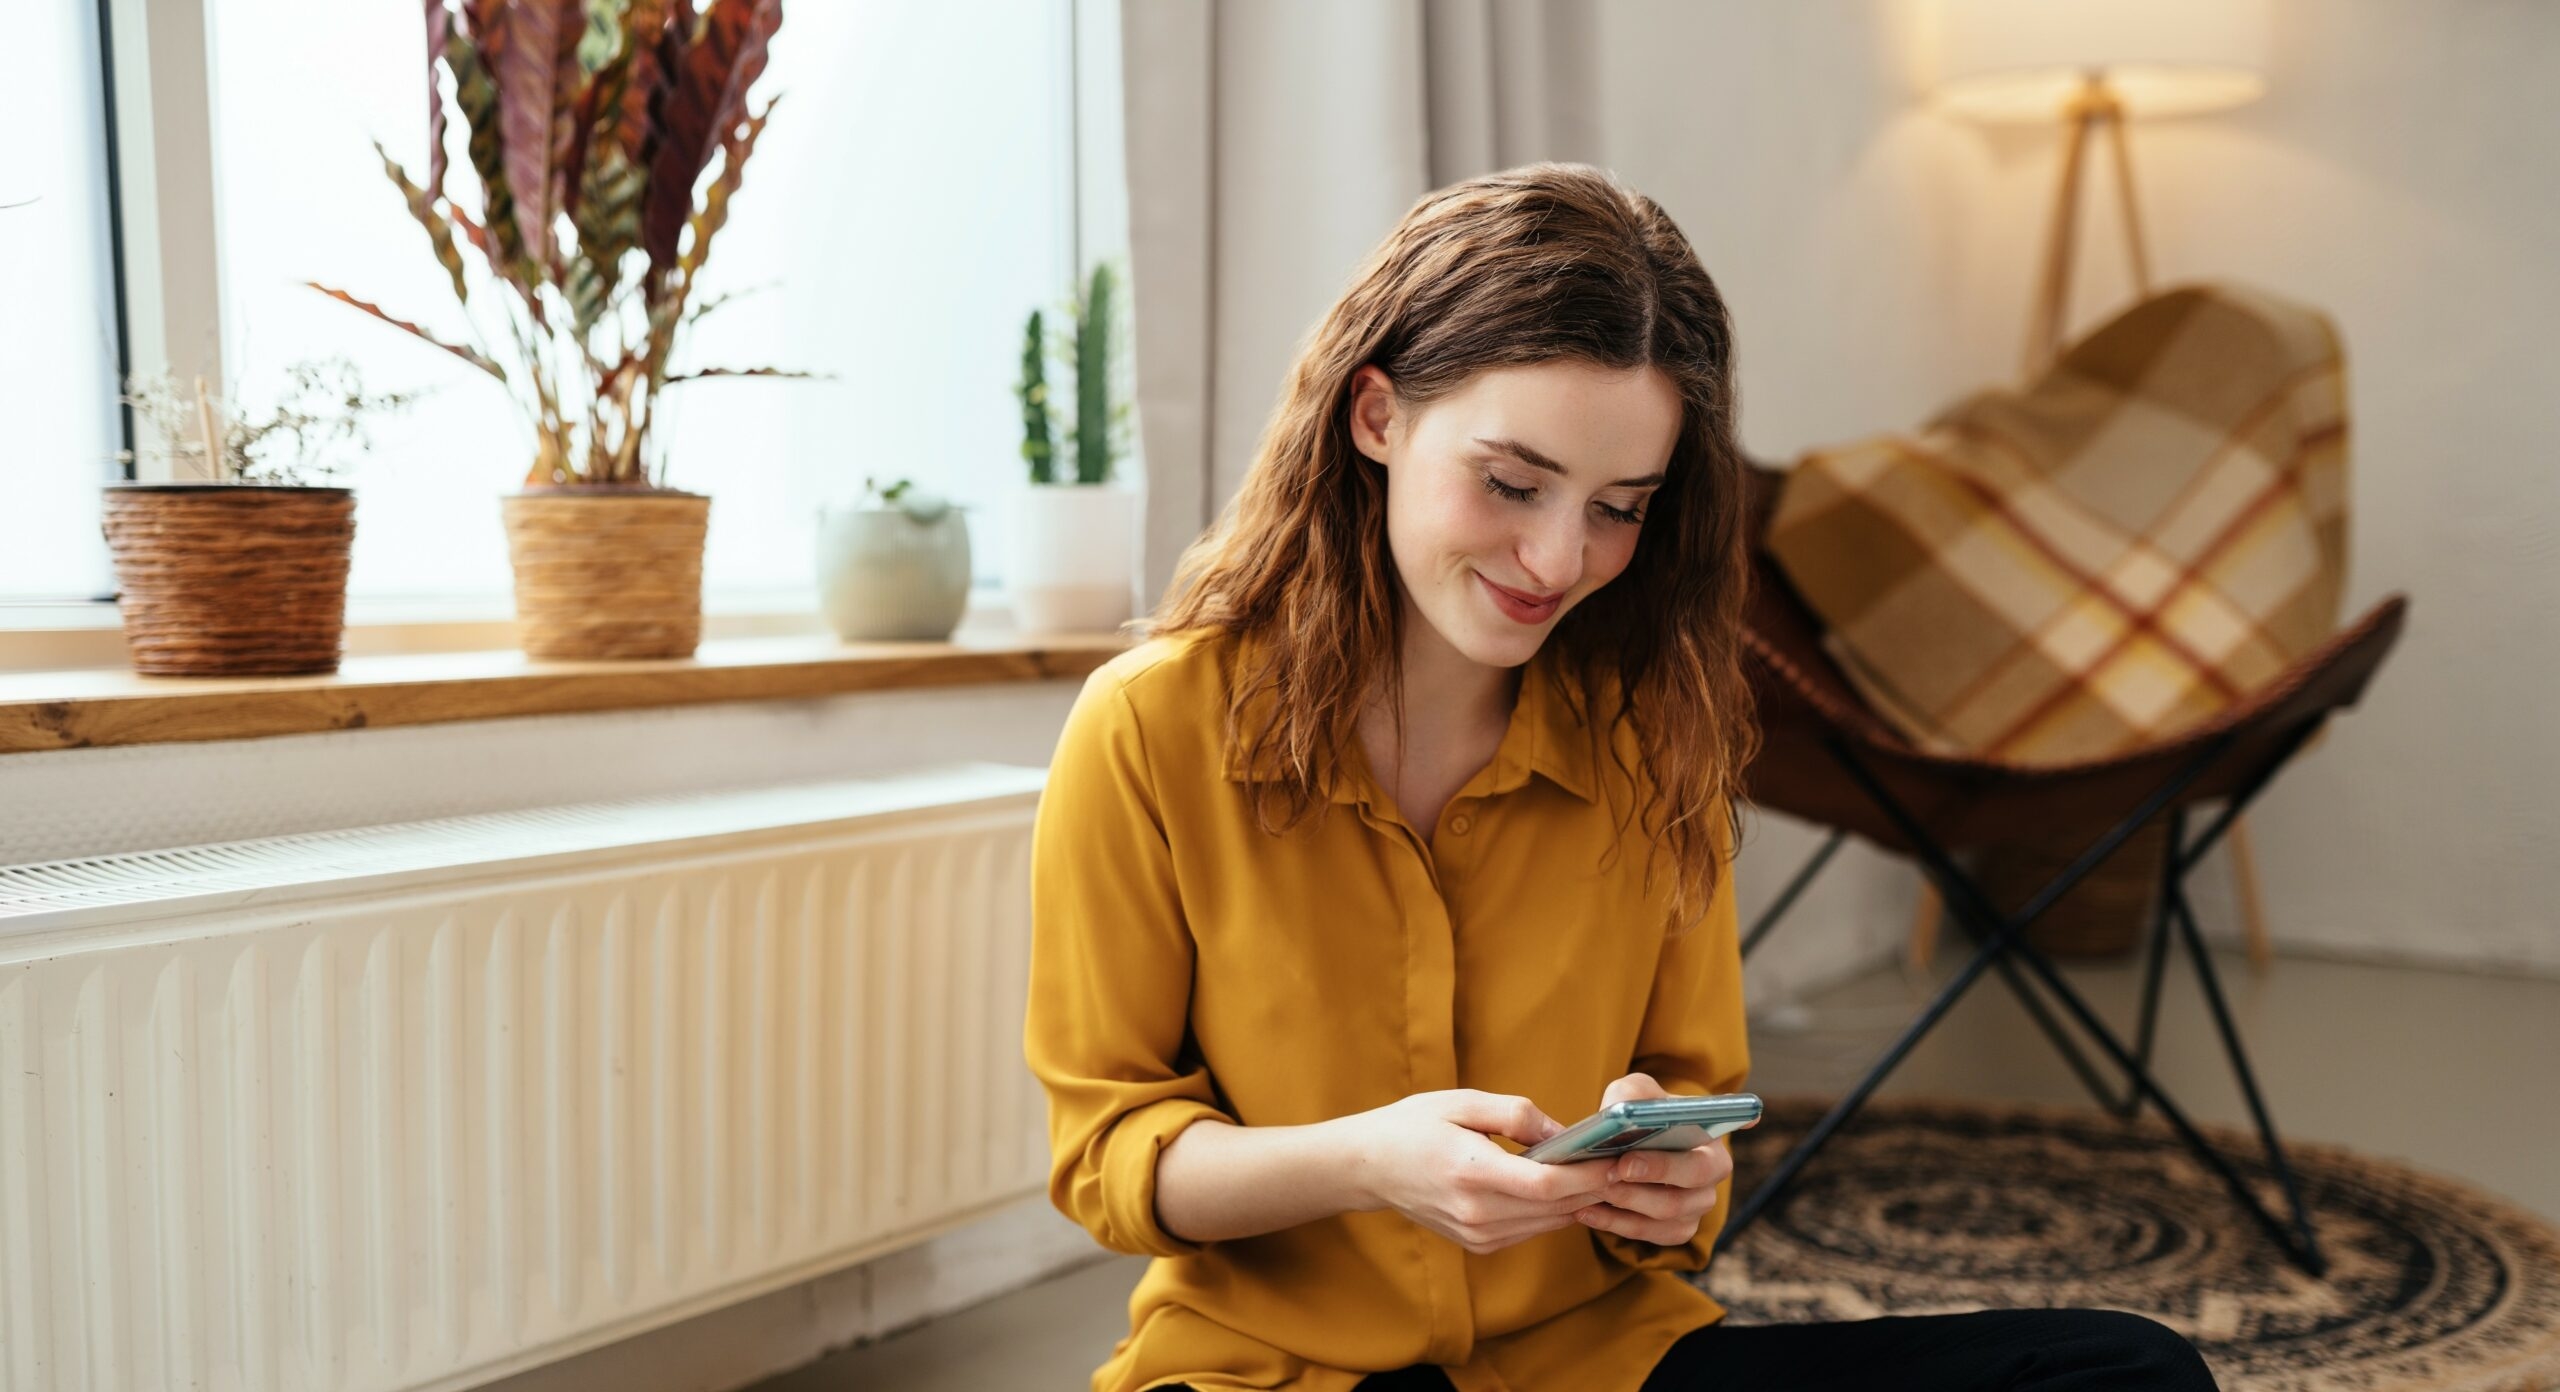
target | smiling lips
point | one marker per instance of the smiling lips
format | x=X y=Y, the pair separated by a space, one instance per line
x=1526 y=608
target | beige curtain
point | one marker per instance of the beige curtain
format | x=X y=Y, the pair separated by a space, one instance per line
x=1270 y=144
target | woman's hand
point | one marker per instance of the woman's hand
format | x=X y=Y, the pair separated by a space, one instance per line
x=1657 y=1196
x=1431 y=1157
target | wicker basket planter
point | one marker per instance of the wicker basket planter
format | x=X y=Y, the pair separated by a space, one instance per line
x=607 y=571
x=231 y=579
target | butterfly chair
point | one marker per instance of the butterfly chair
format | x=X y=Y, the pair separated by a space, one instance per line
x=1828 y=758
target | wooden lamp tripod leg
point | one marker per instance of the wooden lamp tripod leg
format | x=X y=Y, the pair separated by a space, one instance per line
x=1925 y=917
x=2053 y=285
x=2253 y=913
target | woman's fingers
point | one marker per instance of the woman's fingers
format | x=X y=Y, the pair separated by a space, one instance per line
x=1666 y=1207
x=1494 y=1237
x=1701 y=1167
x=1672 y=1191
x=1659 y=1200
x=1662 y=1232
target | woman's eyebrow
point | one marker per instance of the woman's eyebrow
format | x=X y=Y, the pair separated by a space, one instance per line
x=1536 y=460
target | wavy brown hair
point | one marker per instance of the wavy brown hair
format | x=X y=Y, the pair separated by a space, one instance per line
x=1530 y=265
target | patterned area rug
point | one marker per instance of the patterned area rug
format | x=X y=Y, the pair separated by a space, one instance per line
x=1919 y=1207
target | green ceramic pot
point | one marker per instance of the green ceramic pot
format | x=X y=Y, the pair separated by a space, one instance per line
x=894 y=572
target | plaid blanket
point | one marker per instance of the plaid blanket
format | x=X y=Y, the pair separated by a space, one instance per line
x=2152 y=529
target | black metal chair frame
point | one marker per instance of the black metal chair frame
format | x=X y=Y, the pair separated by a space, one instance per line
x=2002 y=946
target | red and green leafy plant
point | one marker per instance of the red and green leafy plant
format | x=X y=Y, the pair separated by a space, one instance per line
x=591 y=125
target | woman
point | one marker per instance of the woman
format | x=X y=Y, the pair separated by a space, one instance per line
x=1405 y=834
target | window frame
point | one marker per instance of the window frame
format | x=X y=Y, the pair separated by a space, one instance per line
x=160 y=155
x=166 y=266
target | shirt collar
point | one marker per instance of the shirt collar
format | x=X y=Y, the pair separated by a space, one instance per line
x=1547 y=735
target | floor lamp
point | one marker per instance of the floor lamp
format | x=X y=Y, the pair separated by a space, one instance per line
x=2096 y=65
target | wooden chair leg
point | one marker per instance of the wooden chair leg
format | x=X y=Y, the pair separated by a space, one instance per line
x=2253 y=914
x=1924 y=926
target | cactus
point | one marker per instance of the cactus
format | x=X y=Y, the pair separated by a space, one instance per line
x=1034 y=391
x=1093 y=378
x=1090 y=347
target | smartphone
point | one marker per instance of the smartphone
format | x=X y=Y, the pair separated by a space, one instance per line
x=1652 y=1123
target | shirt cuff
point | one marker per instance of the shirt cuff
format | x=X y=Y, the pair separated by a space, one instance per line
x=1129 y=1175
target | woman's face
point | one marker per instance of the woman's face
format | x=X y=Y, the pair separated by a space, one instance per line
x=1513 y=498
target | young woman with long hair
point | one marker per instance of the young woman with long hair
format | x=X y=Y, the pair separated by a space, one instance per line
x=1406 y=832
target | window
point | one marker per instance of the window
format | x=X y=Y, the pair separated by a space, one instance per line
x=60 y=425
x=915 y=197
x=912 y=201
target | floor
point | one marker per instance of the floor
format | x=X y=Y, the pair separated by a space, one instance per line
x=2447 y=1071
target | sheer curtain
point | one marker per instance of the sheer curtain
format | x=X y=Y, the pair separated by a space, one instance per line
x=1270 y=144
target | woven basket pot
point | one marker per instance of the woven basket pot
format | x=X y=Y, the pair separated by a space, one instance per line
x=2104 y=915
x=231 y=579
x=607 y=571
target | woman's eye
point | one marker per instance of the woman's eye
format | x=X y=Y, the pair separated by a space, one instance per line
x=1493 y=484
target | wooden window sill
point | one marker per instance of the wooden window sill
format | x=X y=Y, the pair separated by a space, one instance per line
x=90 y=709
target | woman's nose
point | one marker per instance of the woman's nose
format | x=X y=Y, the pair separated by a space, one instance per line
x=1551 y=553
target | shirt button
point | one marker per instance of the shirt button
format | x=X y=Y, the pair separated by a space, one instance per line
x=1460 y=823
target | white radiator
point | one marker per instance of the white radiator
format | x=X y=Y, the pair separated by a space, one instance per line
x=416 y=1106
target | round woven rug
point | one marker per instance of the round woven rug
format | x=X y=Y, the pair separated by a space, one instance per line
x=1921 y=1207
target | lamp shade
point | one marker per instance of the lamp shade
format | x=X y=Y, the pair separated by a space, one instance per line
x=2023 y=59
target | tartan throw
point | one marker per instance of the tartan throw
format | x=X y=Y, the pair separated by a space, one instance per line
x=2142 y=536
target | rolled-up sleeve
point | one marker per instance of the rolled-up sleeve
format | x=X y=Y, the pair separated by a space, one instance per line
x=1694 y=1042
x=1107 y=1024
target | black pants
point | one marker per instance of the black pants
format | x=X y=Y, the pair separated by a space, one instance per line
x=1983 y=1351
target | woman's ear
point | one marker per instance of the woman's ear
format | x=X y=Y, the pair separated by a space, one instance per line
x=1373 y=412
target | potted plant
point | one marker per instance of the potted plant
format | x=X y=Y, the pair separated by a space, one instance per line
x=896 y=566
x=240 y=567
x=591 y=126
x=1074 y=559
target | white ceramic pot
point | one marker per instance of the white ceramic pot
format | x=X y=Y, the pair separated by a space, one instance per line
x=1074 y=560
x=895 y=572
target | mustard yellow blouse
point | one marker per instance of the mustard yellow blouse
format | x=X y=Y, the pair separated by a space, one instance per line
x=1185 y=964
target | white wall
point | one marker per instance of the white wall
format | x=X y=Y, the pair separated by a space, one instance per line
x=2402 y=173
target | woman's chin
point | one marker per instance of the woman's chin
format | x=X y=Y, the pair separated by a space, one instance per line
x=1501 y=642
